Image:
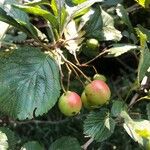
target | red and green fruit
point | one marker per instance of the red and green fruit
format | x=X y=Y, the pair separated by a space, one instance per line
x=96 y=93
x=85 y=102
x=70 y=103
x=99 y=77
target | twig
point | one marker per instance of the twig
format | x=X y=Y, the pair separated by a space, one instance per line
x=39 y=122
x=100 y=54
x=85 y=146
x=133 y=8
x=133 y=100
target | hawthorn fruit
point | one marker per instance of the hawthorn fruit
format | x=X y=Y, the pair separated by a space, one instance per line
x=96 y=93
x=70 y=103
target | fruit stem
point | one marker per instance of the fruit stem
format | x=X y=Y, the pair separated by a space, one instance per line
x=73 y=65
x=69 y=74
x=62 y=85
x=77 y=76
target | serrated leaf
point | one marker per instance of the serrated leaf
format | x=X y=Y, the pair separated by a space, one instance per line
x=144 y=3
x=99 y=125
x=119 y=49
x=101 y=26
x=65 y=143
x=12 y=138
x=144 y=62
x=3 y=141
x=117 y=108
x=32 y=145
x=29 y=82
x=148 y=110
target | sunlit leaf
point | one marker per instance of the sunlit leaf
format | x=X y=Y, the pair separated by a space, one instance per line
x=144 y=3
x=119 y=49
x=11 y=136
x=3 y=141
x=73 y=37
x=137 y=129
x=122 y=13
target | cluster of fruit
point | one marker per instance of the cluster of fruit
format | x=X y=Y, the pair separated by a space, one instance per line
x=95 y=94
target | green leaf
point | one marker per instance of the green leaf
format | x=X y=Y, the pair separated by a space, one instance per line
x=29 y=82
x=3 y=141
x=8 y=19
x=145 y=31
x=138 y=130
x=144 y=3
x=27 y=28
x=144 y=62
x=3 y=29
x=37 y=2
x=21 y=37
x=112 y=2
x=148 y=110
x=40 y=12
x=119 y=49
x=74 y=11
x=73 y=37
x=101 y=26
x=60 y=11
x=78 y=1
x=6 y=5
x=12 y=138
x=65 y=143
x=99 y=125
x=117 y=108
x=32 y=145
x=122 y=13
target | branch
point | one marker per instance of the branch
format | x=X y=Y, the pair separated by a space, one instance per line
x=100 y=54
x=85 y=146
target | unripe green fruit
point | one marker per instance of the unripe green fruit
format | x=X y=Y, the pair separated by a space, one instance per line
x=97 y=93
x=92 y=44
x=99 y=77
x=70 y=103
